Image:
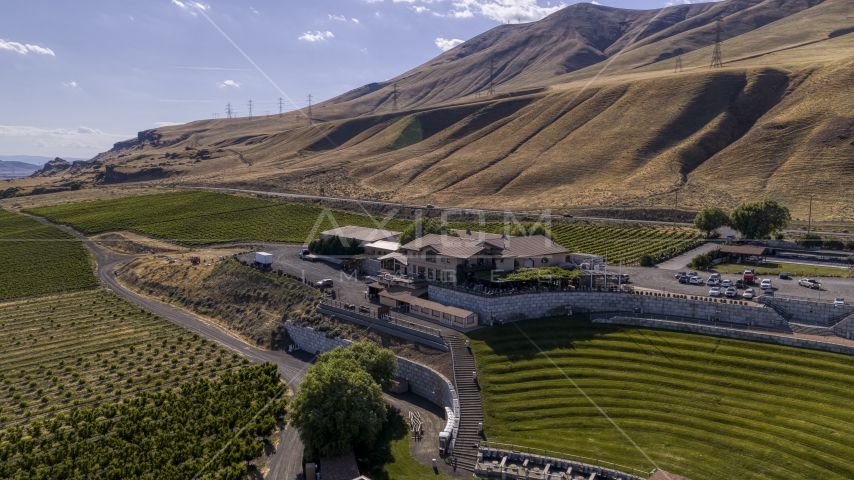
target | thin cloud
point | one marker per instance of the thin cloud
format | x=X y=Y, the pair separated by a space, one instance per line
x=71 y=84
x=166 y=124
x=229 y=83
x=215 y=68
x=340 y=18
x=316 y=36
x=446 y=44
x=505 y=11
x=254 y=11
x=25 y=48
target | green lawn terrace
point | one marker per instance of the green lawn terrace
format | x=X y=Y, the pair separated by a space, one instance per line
x=699 y=406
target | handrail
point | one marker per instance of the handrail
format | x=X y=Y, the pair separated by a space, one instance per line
x=373 y=314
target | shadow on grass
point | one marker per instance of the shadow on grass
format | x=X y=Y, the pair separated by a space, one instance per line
x=549 y=334
x=372 y=459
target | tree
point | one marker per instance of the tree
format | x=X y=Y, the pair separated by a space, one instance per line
x=710 y=219
x=702 y=261
x=338 y=406
x=380 y=363
x=833 y=243
x=420 y=228
x=758 y=220
x=809 y=240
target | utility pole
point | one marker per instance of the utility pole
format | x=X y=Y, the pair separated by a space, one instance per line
x=717 y=57
x=250 y=108
x=280 y=107
x=809 y=224
x=215 y=115
x=678 y=64
x=394 y=96
x=267 y=112
x=228 y=112
x=492 y=76
x=309 y=108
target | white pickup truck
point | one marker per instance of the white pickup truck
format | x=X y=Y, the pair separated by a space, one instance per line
x=809 y=283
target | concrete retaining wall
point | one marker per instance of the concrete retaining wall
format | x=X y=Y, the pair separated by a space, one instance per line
x=539 y=305
x=432 y=341
x=845 y=328
x=423 y=381
x=811 y=312
x=730 y=333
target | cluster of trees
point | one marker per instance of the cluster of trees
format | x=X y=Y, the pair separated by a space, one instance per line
x=755 y=220
x=814 y=240
x=205 y=429
x=335 y=246
x=340 y=403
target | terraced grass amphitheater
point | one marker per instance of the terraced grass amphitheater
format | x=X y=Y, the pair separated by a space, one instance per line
x=703 y=407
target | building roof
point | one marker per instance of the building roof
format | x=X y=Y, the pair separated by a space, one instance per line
x=471 y=244
x=401 y=293
x=399 y=257
x=744 y=249
x=339 y=468
x=384 y=245
x=457 y=312
x=362 y=234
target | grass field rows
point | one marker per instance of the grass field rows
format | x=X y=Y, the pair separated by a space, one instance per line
x=205 y=218
x=77 y=349
x=703 y=407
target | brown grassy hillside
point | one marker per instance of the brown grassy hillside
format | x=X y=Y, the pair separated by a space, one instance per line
x=777 y=121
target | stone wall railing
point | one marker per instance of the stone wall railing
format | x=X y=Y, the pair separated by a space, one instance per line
x=495 y=460
x=423 y=381
x=416 y=333
x=730 y=333
x=539 y=305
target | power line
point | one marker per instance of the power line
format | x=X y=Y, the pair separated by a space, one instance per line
x=394 y=105
x=250 y=108
x=228 y=111
x=717 y=57
x=491 y=77
x=678 y=64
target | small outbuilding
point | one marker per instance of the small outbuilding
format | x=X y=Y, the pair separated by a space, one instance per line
x=744 y=253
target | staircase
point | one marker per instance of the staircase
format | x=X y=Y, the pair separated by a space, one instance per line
x=812 y=330
x=777 y=308
x=471 y=411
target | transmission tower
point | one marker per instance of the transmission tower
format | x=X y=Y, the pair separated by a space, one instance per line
x=394 y=97
x=250 y=108
x=491 y=77
x=281 y=107
x=309 y=107
x=717 y=58
x=228 y=112
x=215 y=115
x=678 y=64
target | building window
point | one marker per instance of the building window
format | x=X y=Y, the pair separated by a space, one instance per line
x=545 y=260
x=431 y=256
x=430 y=274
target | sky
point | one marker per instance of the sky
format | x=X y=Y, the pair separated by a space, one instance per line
x=76 y=77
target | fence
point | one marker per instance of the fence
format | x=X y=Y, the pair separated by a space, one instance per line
x=372 y=313
x=506 y=292
x=566 y=456
x=694 y=321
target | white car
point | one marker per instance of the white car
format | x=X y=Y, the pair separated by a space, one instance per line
x=327 y=282
x=712 y=281
x=726 y=283
x=715 y=292
x=692 y=274
x=839 y=302
x=731 y=292
x=749 y=293
x=809 y=283
x=716 y=276
x=765 y=285
x=696 y=281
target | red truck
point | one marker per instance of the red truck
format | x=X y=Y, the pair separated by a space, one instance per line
x=749 y=276
x=195 y=260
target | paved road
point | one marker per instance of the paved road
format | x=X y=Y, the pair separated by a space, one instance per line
x=473 y=211
x=286 y=462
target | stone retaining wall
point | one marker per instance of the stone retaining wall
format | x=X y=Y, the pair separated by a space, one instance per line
x=539 y=305
x=513 y=464
x=730 y=333
x=423 y=381
x=811 y=312
x=432 y=341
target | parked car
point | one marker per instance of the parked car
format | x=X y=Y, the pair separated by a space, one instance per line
x=766 y=284
x=731 y=292
x=726 y=283
x=692 y=274
x=712 y=281
x=430 y=205
x=768 y=293
x=680 y=274
x=809 y=283
x=839 y=302
x=303 y=254
x=784 y=275
x=748 y=294
x=566 y=215
x=715 y=292
x=739 y=283
x=695 y=280
x=730 y=238
x=683 y=279
x=327 y=282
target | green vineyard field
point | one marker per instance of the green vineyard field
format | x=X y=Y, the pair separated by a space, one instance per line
x=37 y=259
x=205 y=218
